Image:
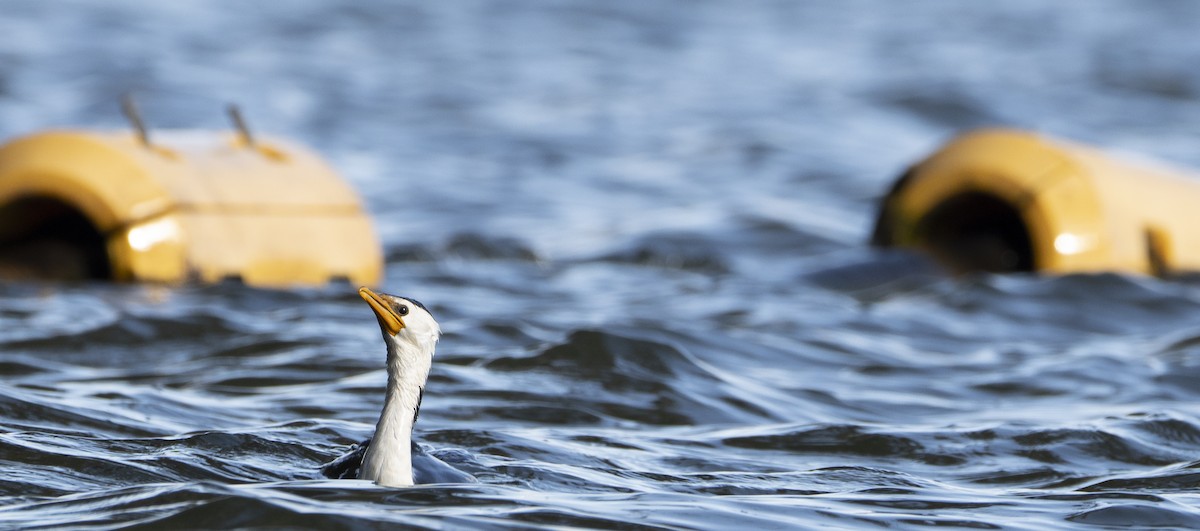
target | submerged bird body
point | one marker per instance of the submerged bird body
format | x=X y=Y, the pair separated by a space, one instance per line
x=411 y=335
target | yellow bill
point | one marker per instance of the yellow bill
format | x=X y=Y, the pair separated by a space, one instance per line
x=389 y=320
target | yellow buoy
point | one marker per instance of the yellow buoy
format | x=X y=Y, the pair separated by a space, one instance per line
x=191 y=205
x=1000 y=200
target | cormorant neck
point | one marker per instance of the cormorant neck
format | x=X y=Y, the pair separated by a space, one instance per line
x=388 y=460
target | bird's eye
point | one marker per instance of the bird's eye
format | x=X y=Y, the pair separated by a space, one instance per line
x=402 y=310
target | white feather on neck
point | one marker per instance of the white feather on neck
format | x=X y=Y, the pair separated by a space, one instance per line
x=388 y=460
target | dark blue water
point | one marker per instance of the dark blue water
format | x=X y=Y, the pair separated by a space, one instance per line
x=641 y=226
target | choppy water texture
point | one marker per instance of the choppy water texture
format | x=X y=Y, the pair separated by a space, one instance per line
x=629 y=218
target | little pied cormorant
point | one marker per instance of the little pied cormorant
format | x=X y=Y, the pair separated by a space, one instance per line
x=390 y=458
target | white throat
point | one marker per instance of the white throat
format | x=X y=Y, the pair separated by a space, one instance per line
x=388 y=460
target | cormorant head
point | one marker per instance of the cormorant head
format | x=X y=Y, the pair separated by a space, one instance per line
x=404 y=322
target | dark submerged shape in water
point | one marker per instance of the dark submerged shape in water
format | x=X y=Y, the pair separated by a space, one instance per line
x=426 y=468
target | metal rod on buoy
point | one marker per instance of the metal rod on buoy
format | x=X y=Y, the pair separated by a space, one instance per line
x=235 y=114
x=135 y=118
